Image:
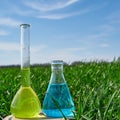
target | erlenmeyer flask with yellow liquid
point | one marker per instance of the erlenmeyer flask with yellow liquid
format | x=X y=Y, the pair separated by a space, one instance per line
x=25 y=103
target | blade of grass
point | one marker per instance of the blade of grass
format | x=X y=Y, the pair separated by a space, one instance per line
x=57 y=105
x=108 y=105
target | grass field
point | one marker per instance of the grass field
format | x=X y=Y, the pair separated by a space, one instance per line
x=95 y=87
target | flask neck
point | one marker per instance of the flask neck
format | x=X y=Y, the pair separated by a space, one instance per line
x=57 y=72
x=25 y=54
x=57 y=75
x=57 y=68
x=57 y=65
x=25 y=77
x=25 y=46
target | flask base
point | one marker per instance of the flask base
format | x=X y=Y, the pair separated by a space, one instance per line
x=40 y=117
x=59 y=113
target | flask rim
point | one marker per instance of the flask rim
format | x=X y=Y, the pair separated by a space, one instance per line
x=24 y=24
x=55 y=62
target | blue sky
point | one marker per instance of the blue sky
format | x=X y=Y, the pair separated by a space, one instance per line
x=69 y=30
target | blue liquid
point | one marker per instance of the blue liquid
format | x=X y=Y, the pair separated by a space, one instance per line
x=58 y=99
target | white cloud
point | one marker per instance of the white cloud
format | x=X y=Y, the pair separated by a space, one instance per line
x=98 y=36
x=113 y=15
x=44 y=57
x=9 y=46
x=66 y=54
x=10 y=53
x=54 y=5
x=62 y=16
x=69 y=50
x=21 y=11
x=95 y=57
x=56 y=16
x=38 y=48
x=49 y=9
x=104 y=45
x=92 y=42
x=3 y=33
x=45 y=9
x=105 y=28
x=93 y=39
x=9 y=22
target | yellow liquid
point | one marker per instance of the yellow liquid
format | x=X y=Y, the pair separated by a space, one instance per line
x=25 y=103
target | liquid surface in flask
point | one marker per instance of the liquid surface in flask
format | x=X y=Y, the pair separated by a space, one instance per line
x=58 y=101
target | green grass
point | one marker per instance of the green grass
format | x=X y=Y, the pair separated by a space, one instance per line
x=95 y=88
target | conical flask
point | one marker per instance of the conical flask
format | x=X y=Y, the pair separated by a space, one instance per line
x=58 y=101
x=25 y=103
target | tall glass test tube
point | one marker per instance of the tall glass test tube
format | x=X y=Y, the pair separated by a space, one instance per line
x=25 y=103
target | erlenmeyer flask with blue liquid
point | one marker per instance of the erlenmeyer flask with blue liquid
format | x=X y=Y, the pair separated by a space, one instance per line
x=58 y=101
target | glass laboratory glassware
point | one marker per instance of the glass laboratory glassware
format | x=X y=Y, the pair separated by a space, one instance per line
x=58 y=101
x=25 y=103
